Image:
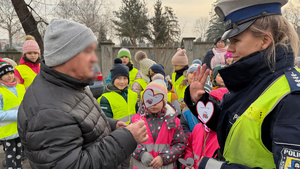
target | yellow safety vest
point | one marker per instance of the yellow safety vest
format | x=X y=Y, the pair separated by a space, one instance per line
x=10 y=102
x=27 y=74
x=142 y=83
x=132 y=75
x=244 y=143
x=177 y=82
x=121 y=109
x=180 y=92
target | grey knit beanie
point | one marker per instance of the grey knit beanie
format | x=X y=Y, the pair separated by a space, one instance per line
x=64 y=39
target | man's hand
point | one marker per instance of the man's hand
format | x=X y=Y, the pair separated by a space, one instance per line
x=139 y=131
x=157 y=162
x=121 y=124
x=198 y=82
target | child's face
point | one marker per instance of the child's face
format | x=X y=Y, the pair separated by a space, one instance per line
x=229 y=60
x=156 y=108
x=220 y=44
x=32 y=56
x=125 y=60
x=121 y=82
x=220 y=81
x=190 y=77
x=178 y=67
x=8 y=77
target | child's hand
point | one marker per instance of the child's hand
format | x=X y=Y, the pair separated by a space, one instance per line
x=157 y=162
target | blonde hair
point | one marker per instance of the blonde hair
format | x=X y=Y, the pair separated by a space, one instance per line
x=280 y=31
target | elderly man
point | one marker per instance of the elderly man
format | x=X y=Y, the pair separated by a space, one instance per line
x=60 y=123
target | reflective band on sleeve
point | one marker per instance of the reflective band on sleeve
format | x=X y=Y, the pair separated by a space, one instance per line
x=212 y=163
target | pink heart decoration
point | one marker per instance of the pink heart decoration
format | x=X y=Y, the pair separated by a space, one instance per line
x=150 y=99
x=205 y=112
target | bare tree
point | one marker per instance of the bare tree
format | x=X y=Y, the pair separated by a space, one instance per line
x=9 y=19
x=292 y=13
x=29 y=23
x=200 y=28
x=95 y=14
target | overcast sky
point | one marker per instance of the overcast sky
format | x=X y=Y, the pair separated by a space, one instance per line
x=187 y=11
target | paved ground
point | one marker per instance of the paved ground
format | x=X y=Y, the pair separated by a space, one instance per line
x=2 y=155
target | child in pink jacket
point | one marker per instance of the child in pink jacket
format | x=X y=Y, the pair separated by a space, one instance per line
x=166 y=141
x=202 y=142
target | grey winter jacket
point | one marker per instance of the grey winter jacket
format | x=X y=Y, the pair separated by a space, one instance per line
x=62 y=126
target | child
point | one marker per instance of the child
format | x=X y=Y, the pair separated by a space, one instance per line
x=11 y=96
x=119 y=102
x=166 y=141
x=185 y=83
x=172 y=96
x=142 y=77
x=125 y=56
x=180 y=63
x=188 y=120
x=219 y=53
x=202 y=142
x=29 y=65
x=219 y=88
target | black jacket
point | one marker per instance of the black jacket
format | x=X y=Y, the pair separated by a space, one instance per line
x=246 y=80
x=207 y=59
x=62 y=126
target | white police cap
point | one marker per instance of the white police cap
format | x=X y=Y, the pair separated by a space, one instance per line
x=238 y=15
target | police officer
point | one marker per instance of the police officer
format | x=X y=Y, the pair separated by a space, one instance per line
x=258 y=123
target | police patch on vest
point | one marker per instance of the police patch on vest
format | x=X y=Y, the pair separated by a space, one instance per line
x=290 y=159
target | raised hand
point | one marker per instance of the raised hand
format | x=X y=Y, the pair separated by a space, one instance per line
x=198 y=82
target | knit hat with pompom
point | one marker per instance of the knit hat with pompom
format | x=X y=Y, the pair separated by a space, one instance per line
x=30 y=45
x=145 y=63
x=158 y=85
x=180 y=58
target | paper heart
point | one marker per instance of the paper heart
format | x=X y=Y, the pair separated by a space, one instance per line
x=151 y=99
x=189 y=162
x=205 y=112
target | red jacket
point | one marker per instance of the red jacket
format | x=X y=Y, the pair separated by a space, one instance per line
x=34 y=66
x=196 y=142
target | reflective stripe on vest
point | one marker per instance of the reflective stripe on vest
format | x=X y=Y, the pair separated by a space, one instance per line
x=27 y=74
x=244 y=143
x=142 y=83
x=132 y=75
x=10 y=102
x=121 y=109
x=177 y=82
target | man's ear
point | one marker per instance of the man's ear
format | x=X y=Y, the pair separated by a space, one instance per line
x=267 y=40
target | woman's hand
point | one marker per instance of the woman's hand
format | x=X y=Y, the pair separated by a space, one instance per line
x=198 y=82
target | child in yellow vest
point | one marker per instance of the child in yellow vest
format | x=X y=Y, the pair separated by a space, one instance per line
x=125 y=56
x=118 y=102
x=29 y=65
x=180 y=63
x=142 y=77
x=11 y=96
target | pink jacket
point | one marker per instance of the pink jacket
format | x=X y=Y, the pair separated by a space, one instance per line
x=169 y=143
x=218 y=93
x=34 y=66
x=196 y=142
